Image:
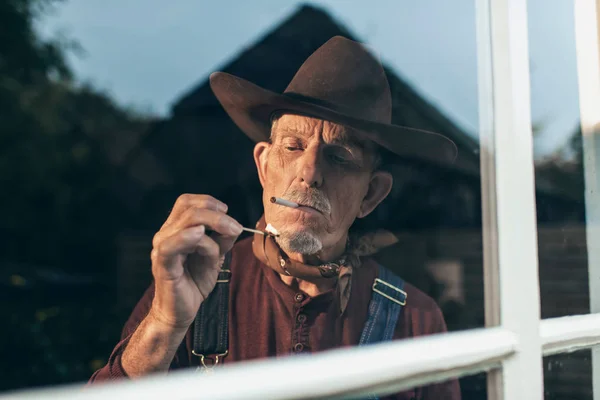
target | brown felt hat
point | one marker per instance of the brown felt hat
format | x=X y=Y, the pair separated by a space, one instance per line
x=340 y=82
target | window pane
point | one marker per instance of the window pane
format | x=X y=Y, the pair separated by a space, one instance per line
x=568 y=376
x=149 y=128
x=566 y=201
x=560 y=183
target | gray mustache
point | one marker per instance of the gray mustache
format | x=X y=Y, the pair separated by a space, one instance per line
x=312 y=198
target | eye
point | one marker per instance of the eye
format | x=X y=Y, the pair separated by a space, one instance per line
x=338 y=159
x=339 y=156
x=292 y=148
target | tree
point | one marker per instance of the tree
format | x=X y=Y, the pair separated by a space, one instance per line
x=564 y=168
x=59 y=211
x=53 y=163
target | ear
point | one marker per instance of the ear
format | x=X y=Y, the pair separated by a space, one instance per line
x=379 y=187
x=261 y=151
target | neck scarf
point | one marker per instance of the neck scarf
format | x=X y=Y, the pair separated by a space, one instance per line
x=267 y=250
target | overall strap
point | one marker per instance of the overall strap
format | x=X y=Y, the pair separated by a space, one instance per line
x=385 y=308
x=211 y=326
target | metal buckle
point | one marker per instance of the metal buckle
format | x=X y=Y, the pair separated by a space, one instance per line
x=377 y=280
x=209 y=368
x=224 y=280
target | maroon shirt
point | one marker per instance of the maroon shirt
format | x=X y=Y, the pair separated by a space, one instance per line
x=268 y=318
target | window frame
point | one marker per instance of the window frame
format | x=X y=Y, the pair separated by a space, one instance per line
x=587 y=44
x=511 y=278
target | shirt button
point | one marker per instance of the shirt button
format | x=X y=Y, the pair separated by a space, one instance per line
x=301 y=318
x=299 y=297
x=298 y=347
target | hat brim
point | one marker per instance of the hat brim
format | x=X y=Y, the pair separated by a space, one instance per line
x=251 y=108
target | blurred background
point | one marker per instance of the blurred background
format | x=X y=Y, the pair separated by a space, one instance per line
x=106 y=117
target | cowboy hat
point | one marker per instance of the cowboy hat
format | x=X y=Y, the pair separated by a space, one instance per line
x=340 y=82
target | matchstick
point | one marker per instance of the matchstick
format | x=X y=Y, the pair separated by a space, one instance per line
x=257 y=231
x=253 y=230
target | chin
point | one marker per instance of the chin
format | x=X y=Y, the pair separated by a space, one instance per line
x=302 y=242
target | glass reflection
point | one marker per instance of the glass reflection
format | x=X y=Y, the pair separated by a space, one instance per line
x=111 y=180
x=559 y=160
x=568 y=376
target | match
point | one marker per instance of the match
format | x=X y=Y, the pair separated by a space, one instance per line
x=257 y=231
x=282 y=202
x=253 y=230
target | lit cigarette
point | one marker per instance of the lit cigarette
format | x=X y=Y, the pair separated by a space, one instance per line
x=282 y=202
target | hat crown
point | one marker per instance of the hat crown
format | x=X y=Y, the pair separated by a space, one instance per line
x=344 y=76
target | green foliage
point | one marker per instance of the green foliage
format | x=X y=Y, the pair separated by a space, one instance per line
x=563 y=169
x=51 y=342
x=24 y=57
x=59 y=207
x=54 y=136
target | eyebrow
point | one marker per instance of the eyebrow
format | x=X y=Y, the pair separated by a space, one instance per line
x=342 y=139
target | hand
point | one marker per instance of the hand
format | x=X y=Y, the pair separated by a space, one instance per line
x=186 y=259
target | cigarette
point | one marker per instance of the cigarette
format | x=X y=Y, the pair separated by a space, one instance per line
x=282 y=202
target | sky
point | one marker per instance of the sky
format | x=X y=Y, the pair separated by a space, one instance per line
x=147 y=53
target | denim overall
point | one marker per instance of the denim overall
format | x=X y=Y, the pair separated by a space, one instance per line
x=385 y=308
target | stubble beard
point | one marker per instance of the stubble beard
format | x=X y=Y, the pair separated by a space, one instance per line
x=303 y=242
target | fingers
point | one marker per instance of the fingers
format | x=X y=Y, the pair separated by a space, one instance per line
x=196 y=227
x=185 y=201
x=194 y=210
x=208 y=248
x=225 y=242
x=182 y=242
x=187 y=241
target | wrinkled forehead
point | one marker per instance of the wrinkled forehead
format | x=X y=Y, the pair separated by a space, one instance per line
x=307 y=127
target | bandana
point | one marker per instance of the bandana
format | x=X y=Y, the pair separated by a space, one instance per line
x=267 y=250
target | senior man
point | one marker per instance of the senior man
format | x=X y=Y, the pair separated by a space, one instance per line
x=322 y=147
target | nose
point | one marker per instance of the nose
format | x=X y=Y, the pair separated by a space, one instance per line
x=310 y=171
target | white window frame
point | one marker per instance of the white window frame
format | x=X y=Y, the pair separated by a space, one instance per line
x=587 y=37
x=514 y=341
x=512 y=298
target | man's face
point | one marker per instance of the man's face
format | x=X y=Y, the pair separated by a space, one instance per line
x=323 y=167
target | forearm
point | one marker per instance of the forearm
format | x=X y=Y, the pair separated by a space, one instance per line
x=152 y=347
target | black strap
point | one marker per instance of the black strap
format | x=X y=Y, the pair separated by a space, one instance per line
x=211 y=326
